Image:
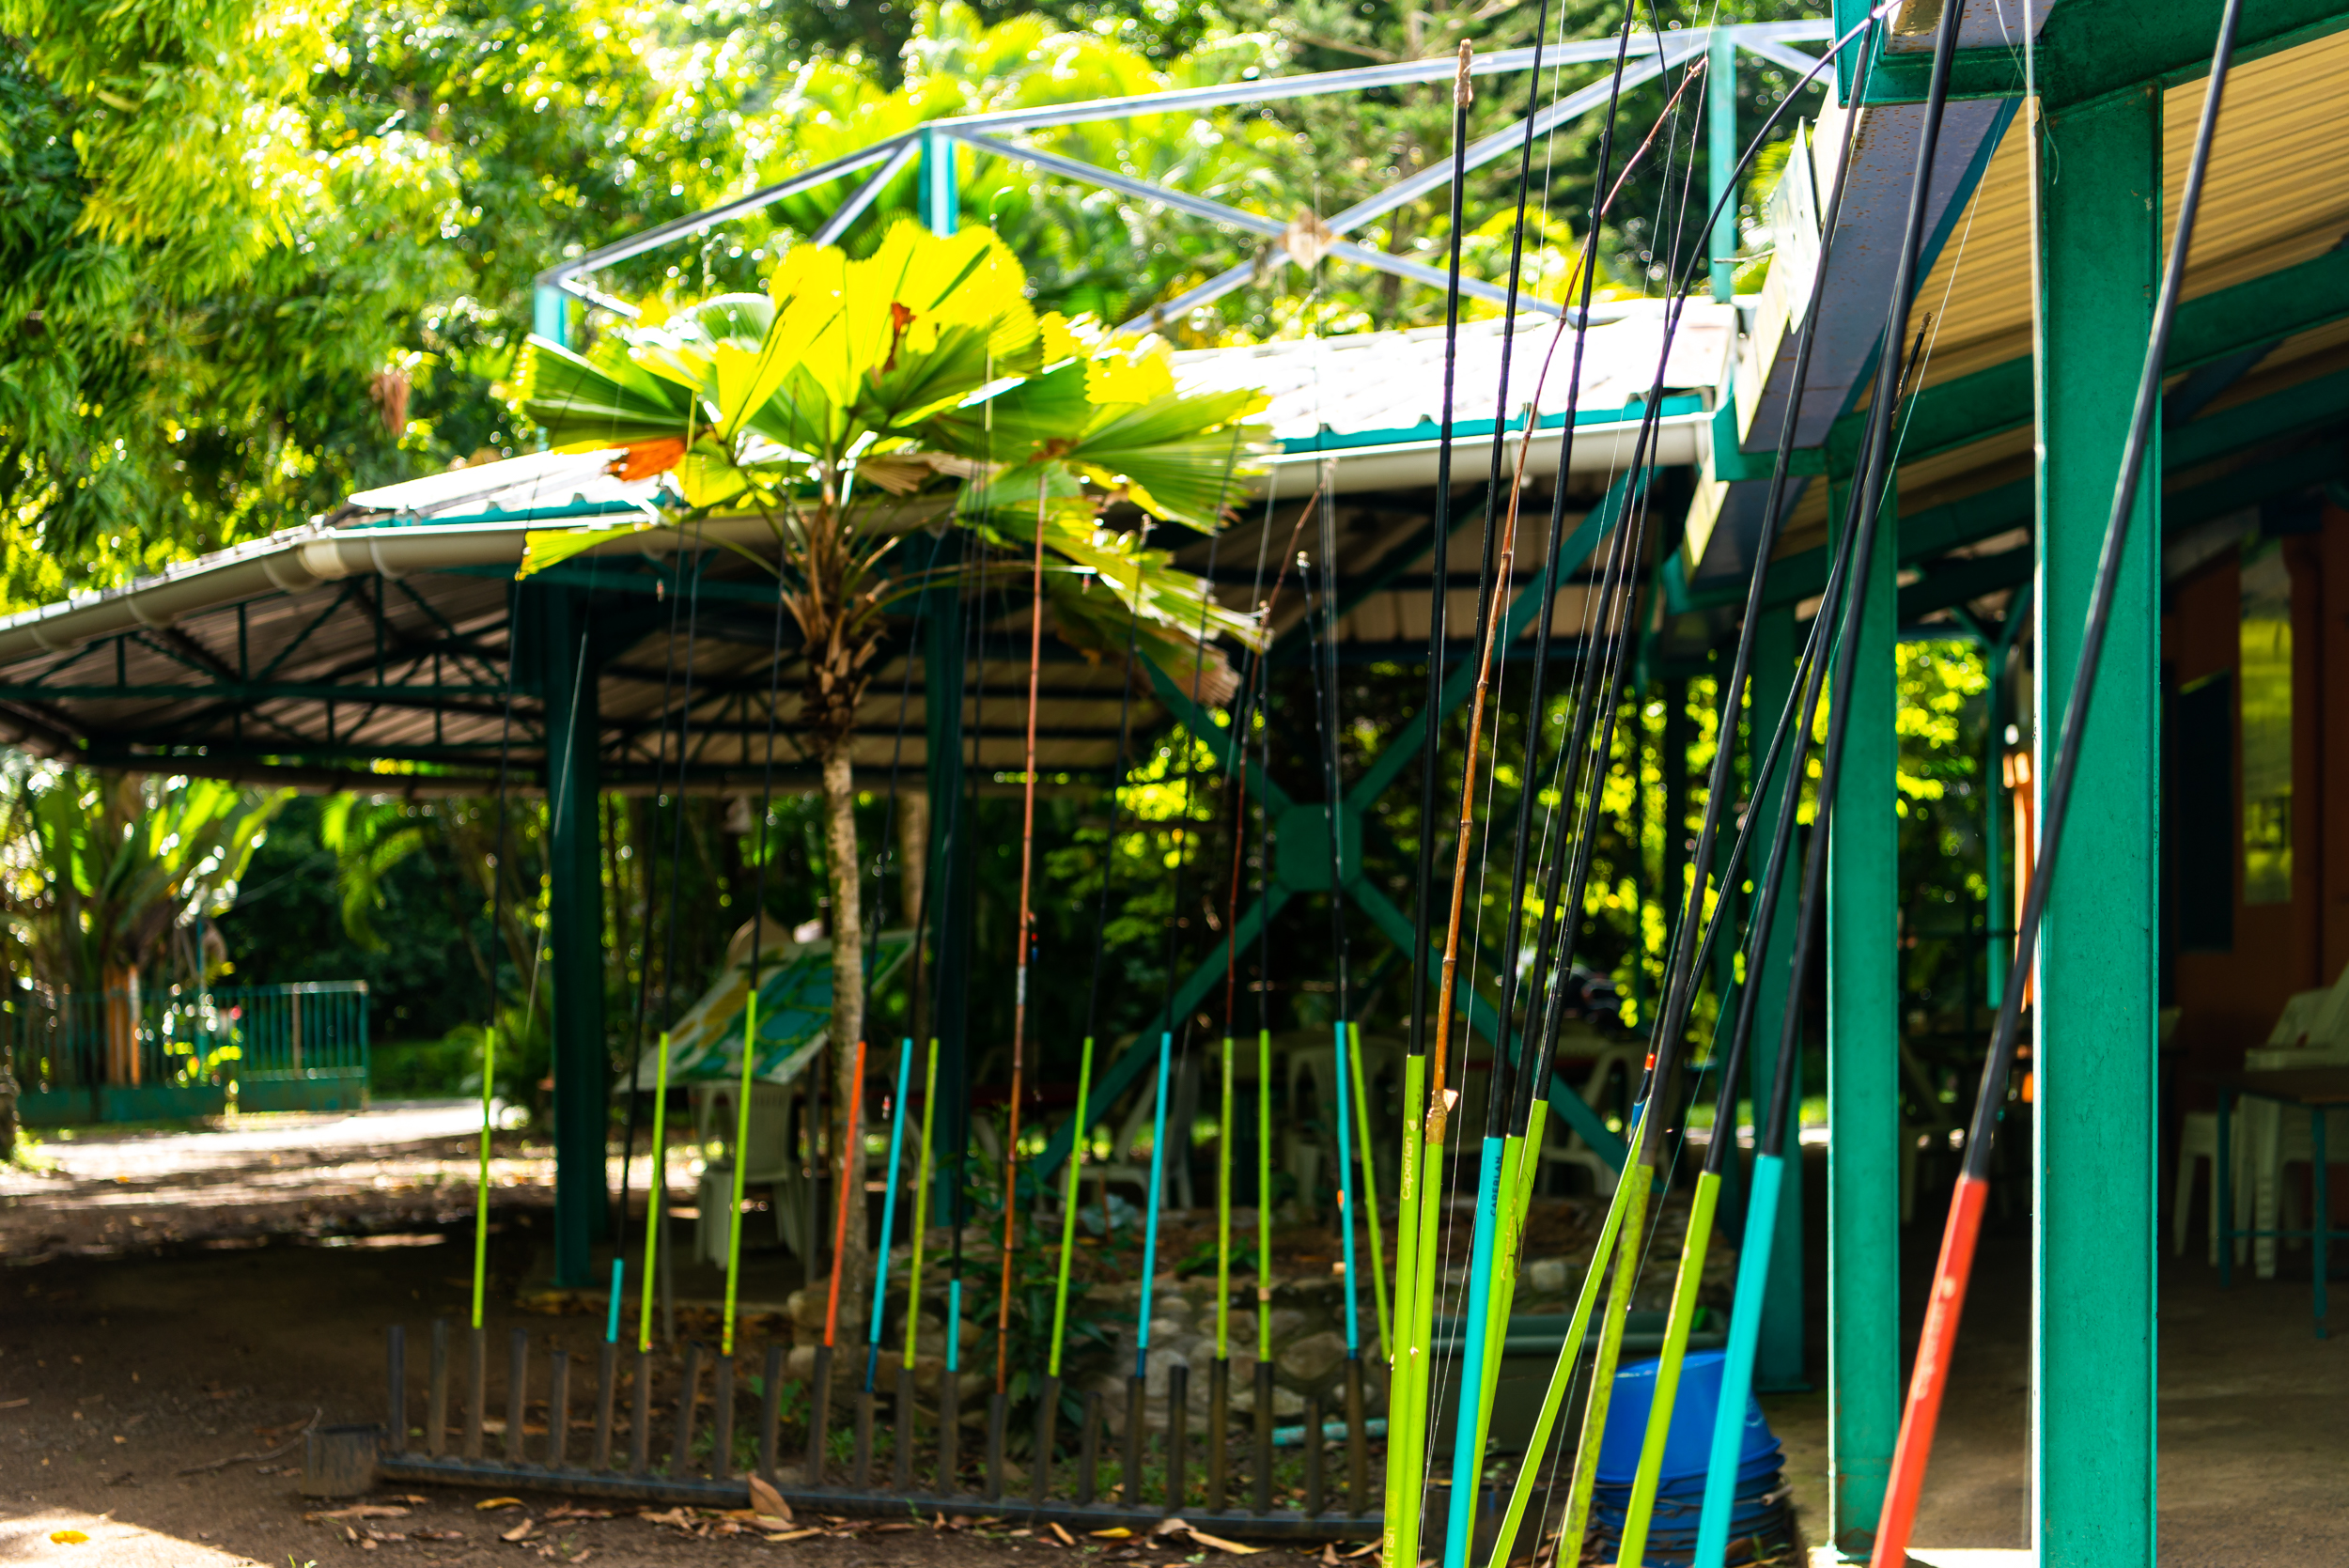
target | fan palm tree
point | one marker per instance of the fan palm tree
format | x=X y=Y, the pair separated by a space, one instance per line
x=860 y=400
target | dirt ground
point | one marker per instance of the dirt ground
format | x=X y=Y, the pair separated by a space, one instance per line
x=172 y=1302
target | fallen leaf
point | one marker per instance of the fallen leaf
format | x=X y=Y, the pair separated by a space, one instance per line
x=1115 y=1532
x=488 y=1503
x=523 y=1531
x=795 y=1534
x=15 y=1404
x=1220 y=1545
x=438 y=1534
x=1066 y=1539
x=1364 y=1549
x=360 y=1511
x=676 y=1516
x=766 y=1501
x=887 y=1529
x=406 y=1496
x=367 y=1545
x=68 y=1537
x=1330 y=1555
x=581 y=1555
x=1021 y=1534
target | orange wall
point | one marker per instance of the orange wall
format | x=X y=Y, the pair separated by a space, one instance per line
x=2230 y=1001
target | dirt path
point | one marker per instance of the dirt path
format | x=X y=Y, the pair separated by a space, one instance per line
x=120 y=1376
x=100 y=1194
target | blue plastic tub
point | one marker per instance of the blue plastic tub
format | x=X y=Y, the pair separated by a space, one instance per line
x=1690 y=1442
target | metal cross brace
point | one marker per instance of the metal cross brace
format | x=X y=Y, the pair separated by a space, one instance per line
x=1293 y=873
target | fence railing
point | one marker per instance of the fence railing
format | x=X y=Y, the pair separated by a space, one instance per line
x=250 y=1036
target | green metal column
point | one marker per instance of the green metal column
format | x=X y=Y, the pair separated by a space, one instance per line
x=1778 y=1362
x=2100 y=249
x=1862 y=1078
x=556 y=620
x=940 y=201
x=1720 y=154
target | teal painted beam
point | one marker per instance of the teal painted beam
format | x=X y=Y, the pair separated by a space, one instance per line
x=1959 y=581
x=1863 y=1024
x=1778 y=1362
x=1720 y=157
x=359 y=695
x=2264 y=310
x=2092 y=49
x=2263 y=419
x=2249 y=486
x=1218 y=740
x=557 y=623
x=2092 y=1496
x=936 y=198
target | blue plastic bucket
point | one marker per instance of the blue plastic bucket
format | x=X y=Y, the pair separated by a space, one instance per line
x=1690 y=1442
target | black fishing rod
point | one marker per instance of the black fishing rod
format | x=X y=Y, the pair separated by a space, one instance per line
x=1953 y=1269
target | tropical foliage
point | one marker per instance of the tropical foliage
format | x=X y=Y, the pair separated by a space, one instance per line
x=858 y=400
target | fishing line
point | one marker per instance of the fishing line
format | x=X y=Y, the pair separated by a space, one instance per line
x=1952 y=1269
x=657 y=1198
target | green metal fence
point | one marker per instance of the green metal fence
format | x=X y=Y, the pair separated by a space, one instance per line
x=138 y=1055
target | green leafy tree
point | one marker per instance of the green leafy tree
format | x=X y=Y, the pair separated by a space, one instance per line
x=857 y=398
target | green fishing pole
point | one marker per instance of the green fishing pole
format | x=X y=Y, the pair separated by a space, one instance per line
x=660 y=1189
x=1405 y=1440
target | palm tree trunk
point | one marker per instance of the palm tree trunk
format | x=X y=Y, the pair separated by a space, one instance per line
x=847 y=1000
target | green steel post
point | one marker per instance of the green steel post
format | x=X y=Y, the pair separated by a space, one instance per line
x=1864 y=1021
x=2100 y=249
x=940 y=201
x=1720 y=154
x=573 y=988
x=1778 y=1362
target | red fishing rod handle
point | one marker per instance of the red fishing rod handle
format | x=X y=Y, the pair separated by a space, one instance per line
x=1931 y=1378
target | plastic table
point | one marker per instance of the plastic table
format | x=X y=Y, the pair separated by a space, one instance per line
x=2314 y=1090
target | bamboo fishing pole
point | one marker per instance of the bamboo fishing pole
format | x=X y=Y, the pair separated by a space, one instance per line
x=1027 y=946
x=1954 y=1268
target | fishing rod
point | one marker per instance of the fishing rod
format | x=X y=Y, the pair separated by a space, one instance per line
x=1347 y=1058
x=1512 y=1119
x=1406 y=1437
x=1554 y=906
x=1680 y=979
x=1027 y=937
x=1049 y=1406
x=657 y=1199
x=1953 y=1269
x=1137 y=1385
x=1234 y=791
x=1871 y=481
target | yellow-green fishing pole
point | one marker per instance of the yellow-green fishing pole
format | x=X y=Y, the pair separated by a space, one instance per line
x=1069 y=1206
x=481 y=1183
x=741 y=1163
x=660 y=1188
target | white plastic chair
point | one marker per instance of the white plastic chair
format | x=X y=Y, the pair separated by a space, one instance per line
x=771 y=1160
x=2198 y=1143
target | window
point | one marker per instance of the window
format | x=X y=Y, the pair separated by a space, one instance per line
x=2264 y=677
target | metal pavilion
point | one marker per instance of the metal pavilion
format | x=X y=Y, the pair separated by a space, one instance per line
x=314 y=653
